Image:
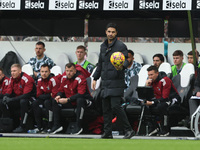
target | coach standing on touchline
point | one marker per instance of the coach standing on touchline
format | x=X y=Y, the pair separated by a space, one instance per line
x=113 y=83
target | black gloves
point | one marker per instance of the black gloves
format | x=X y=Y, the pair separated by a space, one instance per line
x=6 y=100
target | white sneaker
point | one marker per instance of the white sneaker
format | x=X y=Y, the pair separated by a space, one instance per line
x=56 y=130
x=153 y=132
x=78 y=131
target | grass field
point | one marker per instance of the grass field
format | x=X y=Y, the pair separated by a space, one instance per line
x=95 y=144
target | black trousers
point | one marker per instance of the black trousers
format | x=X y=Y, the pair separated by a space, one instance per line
x=160 y=110
x=42 y=108
x=80 y=107
x=12 y=107
x=110 y=105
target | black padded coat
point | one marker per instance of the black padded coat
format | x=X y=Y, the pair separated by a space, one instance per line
x=113 y=83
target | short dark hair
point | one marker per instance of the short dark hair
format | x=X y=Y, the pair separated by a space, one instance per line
x=131 y=52
x=178 y=53
x=191 y=53
x=45 y=65
x=159 y=56
x=152 y=68
x=81 y=47
x=69 y=65
x=111 y=25
x=40 y=43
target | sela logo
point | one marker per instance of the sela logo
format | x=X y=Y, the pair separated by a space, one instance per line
x=88 y=5
x=177 y=4
x=64 y=5
x=119 y=5
x=149 y=5
x=180 y=4
x=198 y=4
x=34 y=5
x=7 y=4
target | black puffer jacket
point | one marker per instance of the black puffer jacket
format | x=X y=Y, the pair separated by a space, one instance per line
x=113 y=83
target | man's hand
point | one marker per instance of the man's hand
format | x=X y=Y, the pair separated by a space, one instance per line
x=63 y=100
x=94 y=84
x=6 y=100
x=57 y=98
x=148 y=82
x=119 y=67
x=198 y=94
x=149 y=103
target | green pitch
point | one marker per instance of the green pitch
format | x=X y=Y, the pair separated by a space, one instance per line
x=95 y=144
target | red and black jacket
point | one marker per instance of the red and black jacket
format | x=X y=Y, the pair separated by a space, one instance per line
x=47 y=88
x=74 y=88
x=3 y=86
x=164 y=89
x=22 y=87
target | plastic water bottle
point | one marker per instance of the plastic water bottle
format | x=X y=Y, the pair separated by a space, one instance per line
x=32 y=131
x=115 y=133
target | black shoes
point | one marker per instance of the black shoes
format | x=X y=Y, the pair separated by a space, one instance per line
x=46 y=130
x=164 y=132
x=20 y=130
x=107 y=136
x=56 y=129
x=153 y=131
x=78 y=131
x=129 y=134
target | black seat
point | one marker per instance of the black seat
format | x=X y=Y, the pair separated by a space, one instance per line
x=138 y=80
x=184 y=83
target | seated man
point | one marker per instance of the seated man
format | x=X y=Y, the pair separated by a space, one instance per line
x=165 y=95
x=178 y=62
x=190 y=58
x=80 y=54
x=40 y=59
x=47 y=89
x=73 y=92
x=133 y=68
x=3 y=86
x=19 y=94
x=158 y=59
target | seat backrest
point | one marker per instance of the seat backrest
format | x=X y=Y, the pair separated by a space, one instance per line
x=185 y=58
x=131 y=91
x=98 y=81
x=184 y=83
x=138 y=58
x=89 y=81
x=165 y=67
x=143 y=75
x=27 y=68
x=62 y=60
x=56 y=70
x=93 y=58
x=185 y=73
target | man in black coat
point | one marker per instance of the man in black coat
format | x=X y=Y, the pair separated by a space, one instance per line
x=113 y=83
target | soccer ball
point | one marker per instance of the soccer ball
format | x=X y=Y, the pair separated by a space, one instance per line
x=117 y=59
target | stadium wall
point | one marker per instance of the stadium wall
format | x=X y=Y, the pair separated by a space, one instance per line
x=54 y=49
